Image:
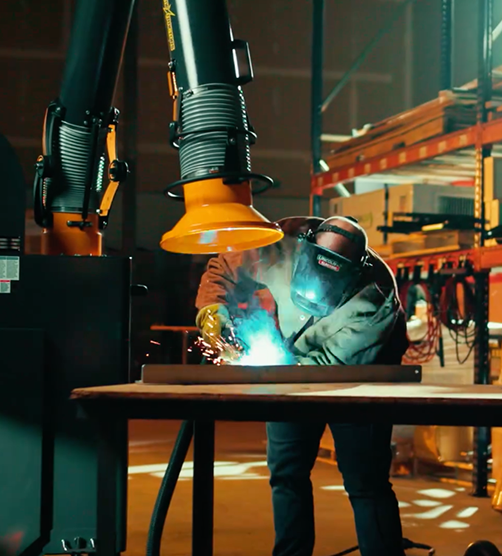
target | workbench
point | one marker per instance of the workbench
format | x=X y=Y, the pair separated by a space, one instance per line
x=407 y=404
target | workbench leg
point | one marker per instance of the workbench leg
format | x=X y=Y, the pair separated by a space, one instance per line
x=184 y=347
x=482 y=435
x=203 y=488
x=109 y=458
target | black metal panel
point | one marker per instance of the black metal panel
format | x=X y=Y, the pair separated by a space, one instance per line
x=12 y=201
x=23 y=525
x=83 y=306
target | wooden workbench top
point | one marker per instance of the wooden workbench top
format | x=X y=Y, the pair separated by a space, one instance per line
x=409 y=393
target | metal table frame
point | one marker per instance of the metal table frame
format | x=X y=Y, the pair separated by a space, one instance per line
x=205 y=405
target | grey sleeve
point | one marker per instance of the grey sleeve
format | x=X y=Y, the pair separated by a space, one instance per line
x=353 y=335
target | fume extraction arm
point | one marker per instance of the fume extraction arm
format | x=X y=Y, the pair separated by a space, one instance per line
x=210 y=129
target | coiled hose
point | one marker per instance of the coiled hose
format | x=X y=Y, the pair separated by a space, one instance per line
x=208 y=115
x=167 y=487
x=75 y=146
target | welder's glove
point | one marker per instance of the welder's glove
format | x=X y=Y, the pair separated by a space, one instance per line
x=211 y=321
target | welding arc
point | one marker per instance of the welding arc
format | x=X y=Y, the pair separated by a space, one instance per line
x=167 y=487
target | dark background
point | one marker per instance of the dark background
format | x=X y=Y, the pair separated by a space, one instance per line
x=402 y=72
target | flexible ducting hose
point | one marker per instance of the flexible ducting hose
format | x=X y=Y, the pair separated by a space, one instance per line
x=208 y=115
x=75 y=153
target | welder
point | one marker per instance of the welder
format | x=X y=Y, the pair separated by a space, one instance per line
x=337 y=304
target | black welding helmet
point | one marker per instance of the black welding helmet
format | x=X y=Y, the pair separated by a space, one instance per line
x=323 y=279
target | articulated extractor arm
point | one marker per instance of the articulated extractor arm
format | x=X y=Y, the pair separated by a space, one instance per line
x=79 y=130
x=210 y=128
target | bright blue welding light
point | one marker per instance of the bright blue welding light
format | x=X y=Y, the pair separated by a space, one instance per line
x=264 y=351
x=262 y=342
x=310 y=295
x=207 y=237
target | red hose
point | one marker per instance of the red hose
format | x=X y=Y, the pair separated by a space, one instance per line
x=426 y=348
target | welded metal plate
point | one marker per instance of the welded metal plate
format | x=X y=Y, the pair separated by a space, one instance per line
x=288 y=374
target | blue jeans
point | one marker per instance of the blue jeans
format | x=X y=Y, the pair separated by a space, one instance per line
x=364 y=458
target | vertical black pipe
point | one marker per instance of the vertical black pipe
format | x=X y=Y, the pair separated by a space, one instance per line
x=317 y=96
x=93 y=60
x=130 y=134
x=485 y=58
x=199 y=37
x=481 y=353
x=447 y=20
x=481 y=376
x=203 y=488
x=386 y=213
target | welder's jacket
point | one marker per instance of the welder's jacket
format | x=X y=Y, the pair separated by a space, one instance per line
x=369 y=328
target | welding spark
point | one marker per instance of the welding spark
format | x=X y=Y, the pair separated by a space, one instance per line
x=223 y=352
x=223 y=348
x=251 y=341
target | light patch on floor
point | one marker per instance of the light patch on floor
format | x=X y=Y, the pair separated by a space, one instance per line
x=467 y=512
x=438 y=509
x=137 y=443
x=437 y=493
x=333 y=487
x=431 y=514
x=454 y=525
x=222 y=470
x=246 y=476
x=427 y=503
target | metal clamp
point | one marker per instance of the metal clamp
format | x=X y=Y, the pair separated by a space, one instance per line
x=79 y=546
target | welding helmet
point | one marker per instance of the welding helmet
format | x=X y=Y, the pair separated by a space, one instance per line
x=323 y=279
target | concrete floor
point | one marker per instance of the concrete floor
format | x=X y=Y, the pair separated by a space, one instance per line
x=439 y=514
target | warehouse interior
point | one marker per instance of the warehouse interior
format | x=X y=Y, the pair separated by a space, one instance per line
x=386 y=111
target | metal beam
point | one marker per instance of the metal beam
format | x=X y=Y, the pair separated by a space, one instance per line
x=316 y=96
x=447 y=7
x=364 y=54
x=481 y=351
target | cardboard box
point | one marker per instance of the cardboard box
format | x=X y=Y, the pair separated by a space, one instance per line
x=369 y=208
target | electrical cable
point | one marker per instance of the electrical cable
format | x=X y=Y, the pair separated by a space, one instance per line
x=407 y=545
x=458 y=314
x=422 y=350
